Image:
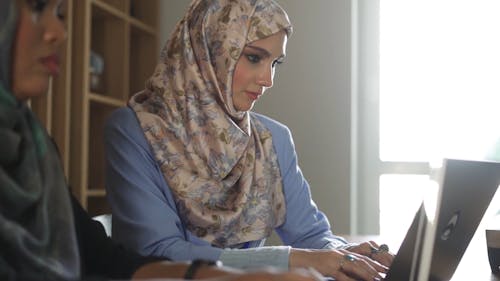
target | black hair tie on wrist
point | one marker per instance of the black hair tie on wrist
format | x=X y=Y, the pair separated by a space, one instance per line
x=196 y=264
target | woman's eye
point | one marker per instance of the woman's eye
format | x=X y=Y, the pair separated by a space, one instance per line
x=60 y=13
x=37 y=6
x=253 y=58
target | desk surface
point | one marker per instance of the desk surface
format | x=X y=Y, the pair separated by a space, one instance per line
x=473 y=266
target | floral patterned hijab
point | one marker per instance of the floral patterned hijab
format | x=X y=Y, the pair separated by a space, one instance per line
x=219 y=162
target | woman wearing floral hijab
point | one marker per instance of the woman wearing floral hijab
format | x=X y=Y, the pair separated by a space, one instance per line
x=193 y=173
x=44 y=233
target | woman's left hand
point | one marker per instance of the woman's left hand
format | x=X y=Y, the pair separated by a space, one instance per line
x=379 y=253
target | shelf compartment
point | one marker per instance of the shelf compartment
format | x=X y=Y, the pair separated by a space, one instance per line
x=143 y=58
x=109 y=40
x=145 y=11
x=104 y=27
x=98 y=115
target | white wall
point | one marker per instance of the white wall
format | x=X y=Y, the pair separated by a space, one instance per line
x=311 y=95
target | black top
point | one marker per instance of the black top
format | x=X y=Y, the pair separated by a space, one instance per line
x=101 y=257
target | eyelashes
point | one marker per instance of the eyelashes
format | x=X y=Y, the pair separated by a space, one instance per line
x=254 y=59
x=38 y=7
x=60 y=12
x=278 y=62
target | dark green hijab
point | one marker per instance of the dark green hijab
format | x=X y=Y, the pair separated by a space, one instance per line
x=37 y=235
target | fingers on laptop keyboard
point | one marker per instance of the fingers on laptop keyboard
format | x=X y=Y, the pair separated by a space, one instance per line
x=375 y=252
x=359 y=267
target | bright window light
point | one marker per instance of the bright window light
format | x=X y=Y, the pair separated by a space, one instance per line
x=398 y=205
x=439 y=92
x=439 y=78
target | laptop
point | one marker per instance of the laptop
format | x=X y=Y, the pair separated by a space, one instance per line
x=443 y=227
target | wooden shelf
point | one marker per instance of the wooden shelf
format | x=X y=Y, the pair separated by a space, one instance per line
x=105 y=6
x=124 y=34
x=145 y=28
x=106 y=100
x=144 y=46
x=101 y=192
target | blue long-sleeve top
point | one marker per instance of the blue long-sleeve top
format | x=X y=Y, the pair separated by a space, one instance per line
x=145 y=215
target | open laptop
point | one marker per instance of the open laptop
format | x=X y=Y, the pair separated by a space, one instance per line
x=442 y=229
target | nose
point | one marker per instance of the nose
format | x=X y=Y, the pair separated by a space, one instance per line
x=266 y=76
x=55 y=31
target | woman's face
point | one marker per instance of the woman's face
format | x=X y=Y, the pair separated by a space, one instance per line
x=254 y=72
x=40 y=32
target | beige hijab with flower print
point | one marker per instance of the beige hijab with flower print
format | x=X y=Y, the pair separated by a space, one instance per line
x=219 y=162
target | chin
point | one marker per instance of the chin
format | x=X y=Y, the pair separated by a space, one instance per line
x=30 y=93
x=246 y=107
x=33 y=89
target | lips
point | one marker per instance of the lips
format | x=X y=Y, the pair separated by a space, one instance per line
x=253 y=95
x=52 y=64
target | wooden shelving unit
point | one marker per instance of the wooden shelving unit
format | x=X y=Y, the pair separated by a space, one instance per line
x=125 y=34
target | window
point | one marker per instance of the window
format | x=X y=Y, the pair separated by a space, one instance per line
x=436 y=67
